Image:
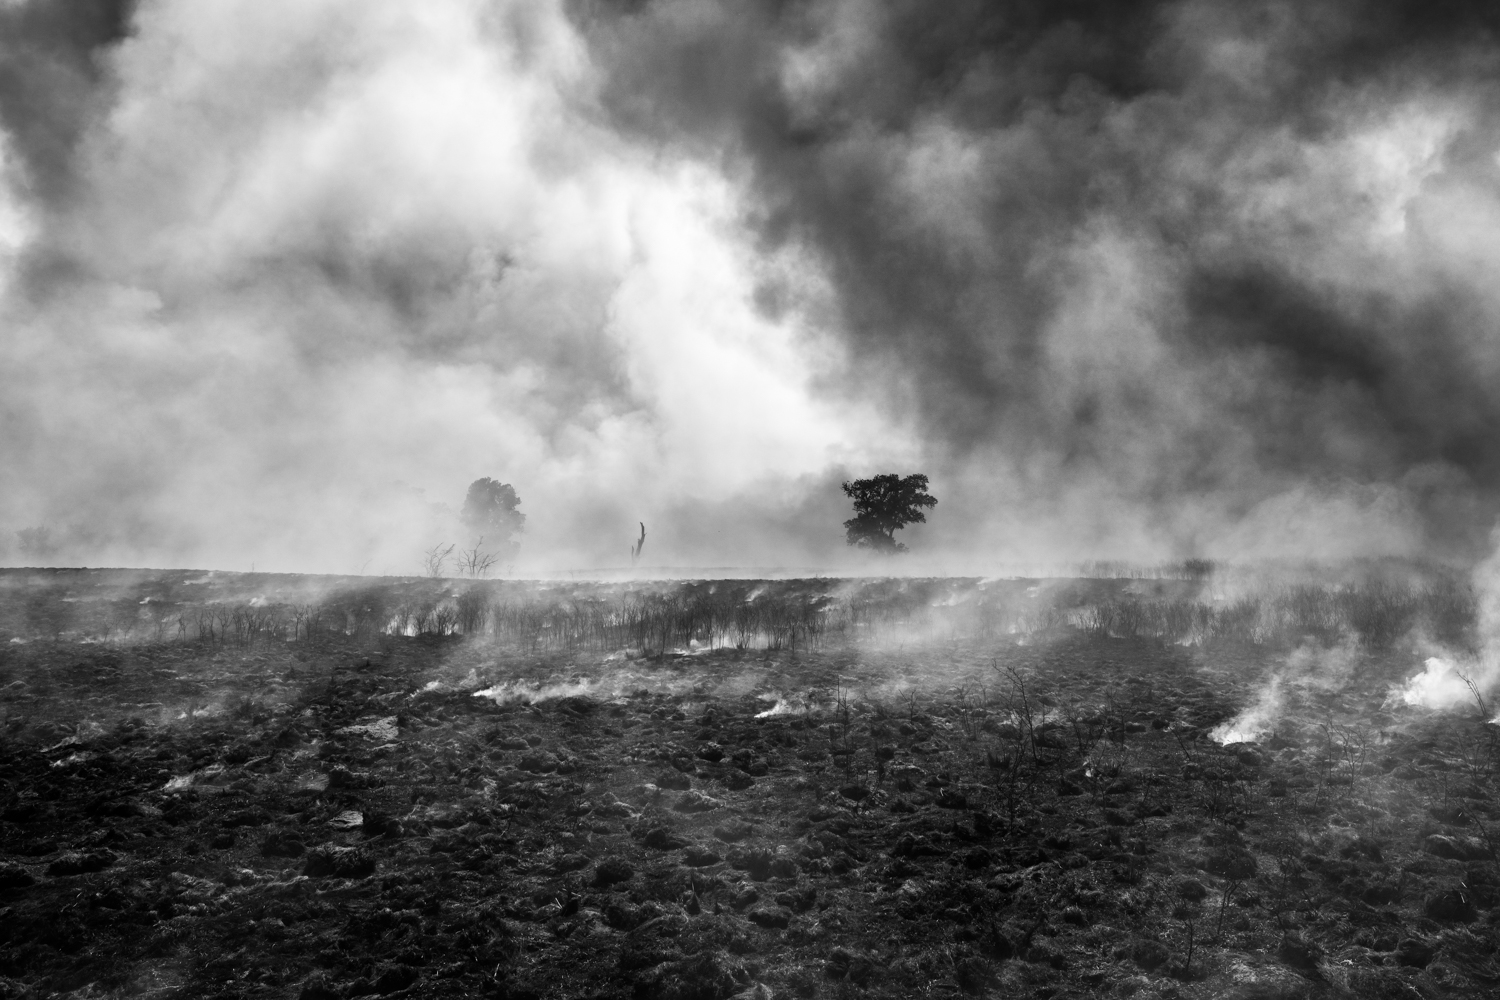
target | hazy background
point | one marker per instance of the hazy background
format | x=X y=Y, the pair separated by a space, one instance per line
x=1127 y=280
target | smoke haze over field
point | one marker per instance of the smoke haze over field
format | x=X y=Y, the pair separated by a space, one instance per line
x=1127 y=280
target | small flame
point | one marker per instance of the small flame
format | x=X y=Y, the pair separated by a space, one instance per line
x=524 y=694
x=785 y=705
x=1255 y=721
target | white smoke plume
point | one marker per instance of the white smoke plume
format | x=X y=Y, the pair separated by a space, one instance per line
x=1442 y=684
x=1453 y=680
x=307 y=250
x=522 y=693
x=786 y=704
x=1255 y=721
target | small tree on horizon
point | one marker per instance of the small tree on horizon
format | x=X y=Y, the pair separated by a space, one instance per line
x=882 y=506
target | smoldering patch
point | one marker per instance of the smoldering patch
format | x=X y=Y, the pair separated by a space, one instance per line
x=612 y=684
x=468 y=682
x=1310 y=667
x=207 y=710
x=522 y=693
x=1255 y=721
x=785 y=704
x=1444 y=683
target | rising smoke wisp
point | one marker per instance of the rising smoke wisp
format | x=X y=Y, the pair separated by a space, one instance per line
x=1127 y=280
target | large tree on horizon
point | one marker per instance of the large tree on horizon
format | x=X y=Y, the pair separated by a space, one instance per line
x=490 y=512
x=883 y=505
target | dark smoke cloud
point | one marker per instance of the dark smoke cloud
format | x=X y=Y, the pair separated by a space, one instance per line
x=1208 y=261
x=51 y=82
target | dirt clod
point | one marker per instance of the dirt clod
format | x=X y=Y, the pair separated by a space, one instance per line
x=282 y=844
x=1453 y=904
x=1415 y=953
x=663 y=839
x=332 y=861
x=612 y=871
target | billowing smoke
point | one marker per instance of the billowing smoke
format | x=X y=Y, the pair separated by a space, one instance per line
x=1256 y=720
x=1127 y=280
x=1442 y=683
x=1203 y=276
x=281 y=278
x=1453 y=679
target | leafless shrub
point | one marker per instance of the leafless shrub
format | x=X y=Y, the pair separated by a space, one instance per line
x=1475 y=693
x=423 y=618
x=435 y=558
x=473 y=609
x=475 y=562
x=444 y=619
x=843 y=750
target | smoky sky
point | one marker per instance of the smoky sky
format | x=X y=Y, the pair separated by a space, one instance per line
x=1137 y=280
x=1200 y=248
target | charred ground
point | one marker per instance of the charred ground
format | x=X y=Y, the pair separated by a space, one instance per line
x=219 y=784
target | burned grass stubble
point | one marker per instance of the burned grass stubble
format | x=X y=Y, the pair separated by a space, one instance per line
x=335 y=815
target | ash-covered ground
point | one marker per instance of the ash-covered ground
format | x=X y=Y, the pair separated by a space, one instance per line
x=222 y=785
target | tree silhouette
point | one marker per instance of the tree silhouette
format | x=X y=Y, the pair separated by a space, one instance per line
x=490 y=512
x=882 y=506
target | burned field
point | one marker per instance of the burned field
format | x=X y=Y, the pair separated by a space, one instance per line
x=229 y=786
